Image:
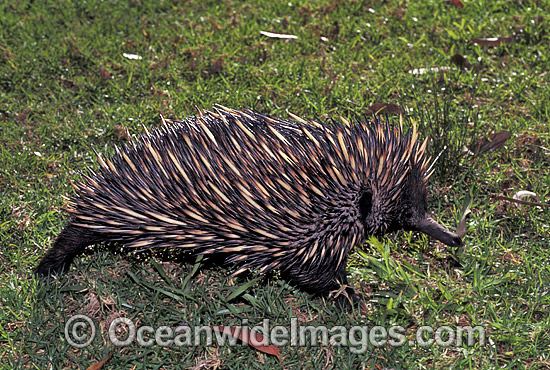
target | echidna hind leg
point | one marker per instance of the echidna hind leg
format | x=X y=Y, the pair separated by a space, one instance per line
x=70 y=242
x=333 y=283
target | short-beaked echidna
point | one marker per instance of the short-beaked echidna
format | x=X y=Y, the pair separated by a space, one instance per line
x=261 y=192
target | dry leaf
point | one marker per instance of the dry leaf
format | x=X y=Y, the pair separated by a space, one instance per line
x=421 y=71
x=92 y=306
x=131 y=56
x=278 y=35
x=460 y=61
x=100 y=364
x=492 y=41
x=456 y=3
x=461 y=229
x=67 y=83
x=520 y=201
x=256 y=343
x=21 y=116
x=104 y=73
x=384 y=108
x=522 y=194
x=494 y=142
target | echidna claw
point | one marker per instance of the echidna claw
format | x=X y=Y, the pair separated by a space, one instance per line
x=348 y=297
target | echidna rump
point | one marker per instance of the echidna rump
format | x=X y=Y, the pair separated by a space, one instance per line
x=263 y=193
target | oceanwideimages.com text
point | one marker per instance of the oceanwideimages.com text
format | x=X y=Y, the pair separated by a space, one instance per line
x=80 y=331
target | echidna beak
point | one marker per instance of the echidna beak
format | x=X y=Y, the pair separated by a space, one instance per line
x=431 y=228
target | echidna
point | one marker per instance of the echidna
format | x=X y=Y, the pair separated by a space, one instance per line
x=261 y=192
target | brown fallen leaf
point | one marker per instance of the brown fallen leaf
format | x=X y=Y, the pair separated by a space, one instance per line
x=456 y=3
x=104 y=73
x=274 y=35
x=93 y=305
x=492 y=41
x=122 y=133
x=132 y=56
x=494 y=142
x=99 y=365
x=461 y=229
x=460 y=61
x=421 y=71
x=67 y=83
x=21 y=116
x=384 y=108
x=255 y=343
x=519 y=201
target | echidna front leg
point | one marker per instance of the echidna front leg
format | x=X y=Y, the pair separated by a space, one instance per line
x=346 y=295
x=70 y=242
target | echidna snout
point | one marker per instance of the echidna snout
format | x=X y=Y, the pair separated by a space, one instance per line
x=262 y=193
x=430 y=227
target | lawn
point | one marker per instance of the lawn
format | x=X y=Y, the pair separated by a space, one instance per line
x=472 y=75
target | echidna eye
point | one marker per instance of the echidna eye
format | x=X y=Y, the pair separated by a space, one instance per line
x=365 y=204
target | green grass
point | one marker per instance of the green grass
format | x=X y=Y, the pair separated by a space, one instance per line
x=66 y=88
